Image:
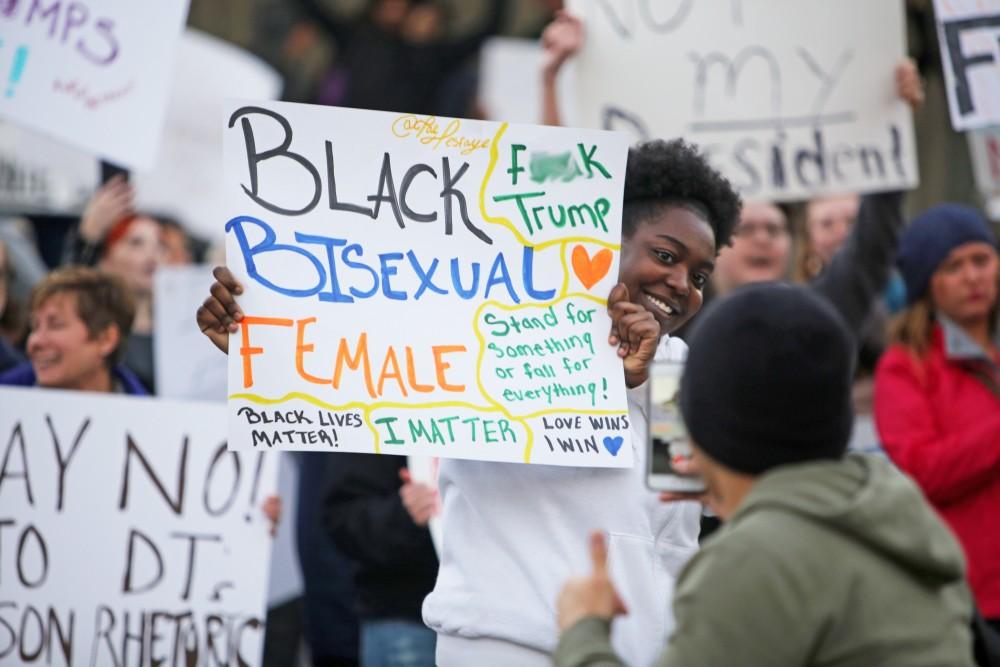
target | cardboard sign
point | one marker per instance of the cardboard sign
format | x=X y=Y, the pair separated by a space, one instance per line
x=984 y=148
x=131 y=535
x=969 y=32
x=91 y=73
x=188 y=365
x=424 y=286
x=285 y=582
x=789 y=98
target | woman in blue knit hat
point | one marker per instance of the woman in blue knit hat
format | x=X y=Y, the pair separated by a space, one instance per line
x=937 y=388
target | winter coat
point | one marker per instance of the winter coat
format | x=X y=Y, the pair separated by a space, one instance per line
x=833 y=563
x=125 y=380
x=396 y=561
x=941 y=425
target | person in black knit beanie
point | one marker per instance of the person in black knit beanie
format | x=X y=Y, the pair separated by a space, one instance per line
x=777 y=364
x=820 y=548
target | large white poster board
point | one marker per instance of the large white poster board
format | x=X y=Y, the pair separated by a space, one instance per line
x=984 y=148
x=188 y=365
x=969 y=33
x=789 y=98
x=131 y=536
x=92 y=74
x=424 y=286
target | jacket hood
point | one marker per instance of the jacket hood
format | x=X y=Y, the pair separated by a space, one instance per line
x=871 y=502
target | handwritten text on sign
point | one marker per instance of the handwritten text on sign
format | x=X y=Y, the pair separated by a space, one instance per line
x=131 y=535
x=789 y=98
x=424 y=286
x=92 y=73
x=969 y=32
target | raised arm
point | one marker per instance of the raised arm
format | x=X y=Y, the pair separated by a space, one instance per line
x=561 y=39
x=859 y=271
x=113 y=202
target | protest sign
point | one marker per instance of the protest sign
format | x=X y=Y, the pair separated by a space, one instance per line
x=131 y=535
x=188 y=365
x=789 y=98
x=984 y=148
x=969 y=33
x=93 y=74
x=285 y=581
x=39 y=175
x=424 y=286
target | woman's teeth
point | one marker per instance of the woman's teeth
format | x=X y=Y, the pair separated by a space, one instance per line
x=659 y=304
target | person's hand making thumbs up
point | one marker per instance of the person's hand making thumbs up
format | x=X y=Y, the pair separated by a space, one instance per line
x=595 y=595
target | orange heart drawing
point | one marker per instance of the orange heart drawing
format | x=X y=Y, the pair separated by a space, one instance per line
x=589 y=269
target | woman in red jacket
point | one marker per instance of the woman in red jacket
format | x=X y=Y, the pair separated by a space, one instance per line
x=937 y=388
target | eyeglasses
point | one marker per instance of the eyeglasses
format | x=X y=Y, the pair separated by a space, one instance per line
x=773 y=231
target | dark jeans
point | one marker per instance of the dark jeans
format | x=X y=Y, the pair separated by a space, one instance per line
x=397 y=643
x=329 y=600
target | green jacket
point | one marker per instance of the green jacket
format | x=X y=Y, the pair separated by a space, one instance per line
x=834 y=563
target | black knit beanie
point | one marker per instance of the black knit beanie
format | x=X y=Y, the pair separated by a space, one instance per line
x=768 y=379
x=929 y=239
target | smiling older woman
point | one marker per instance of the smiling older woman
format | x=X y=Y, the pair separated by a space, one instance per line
x=80 y=319
x=937 y=390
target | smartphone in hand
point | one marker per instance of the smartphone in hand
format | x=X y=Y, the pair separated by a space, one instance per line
x=667 y=440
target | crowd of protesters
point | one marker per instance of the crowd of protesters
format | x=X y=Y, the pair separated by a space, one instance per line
x=815 y=312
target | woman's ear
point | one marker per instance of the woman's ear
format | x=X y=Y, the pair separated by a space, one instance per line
x=108 y=340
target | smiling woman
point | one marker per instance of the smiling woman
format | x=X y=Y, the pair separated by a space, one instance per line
x=937 y=388
x=80 y=318
x=492 y=602
x=678 y=213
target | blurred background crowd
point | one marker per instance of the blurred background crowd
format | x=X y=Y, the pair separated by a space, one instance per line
x=422 y=56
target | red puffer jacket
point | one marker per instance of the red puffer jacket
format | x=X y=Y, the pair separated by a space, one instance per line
x=941 y=425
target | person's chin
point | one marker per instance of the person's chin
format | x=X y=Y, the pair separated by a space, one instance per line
x=669 y=325
x=51 y=379
x=976 y=311
x=762 y=275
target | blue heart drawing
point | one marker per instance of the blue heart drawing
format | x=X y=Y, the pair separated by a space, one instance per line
x=613 y=444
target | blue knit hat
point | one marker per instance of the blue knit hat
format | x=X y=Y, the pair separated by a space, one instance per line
x=931 y=237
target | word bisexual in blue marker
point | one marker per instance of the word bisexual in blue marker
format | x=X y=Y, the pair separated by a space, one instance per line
x=339 y=271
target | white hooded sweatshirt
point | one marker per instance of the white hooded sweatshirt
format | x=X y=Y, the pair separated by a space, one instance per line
x=513 y=534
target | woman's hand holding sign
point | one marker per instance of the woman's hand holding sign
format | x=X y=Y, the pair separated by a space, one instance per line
x=220 y=314
x=636 y=333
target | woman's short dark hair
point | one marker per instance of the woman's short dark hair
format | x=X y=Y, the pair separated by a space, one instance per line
x=674 y=173
x=102 y=300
